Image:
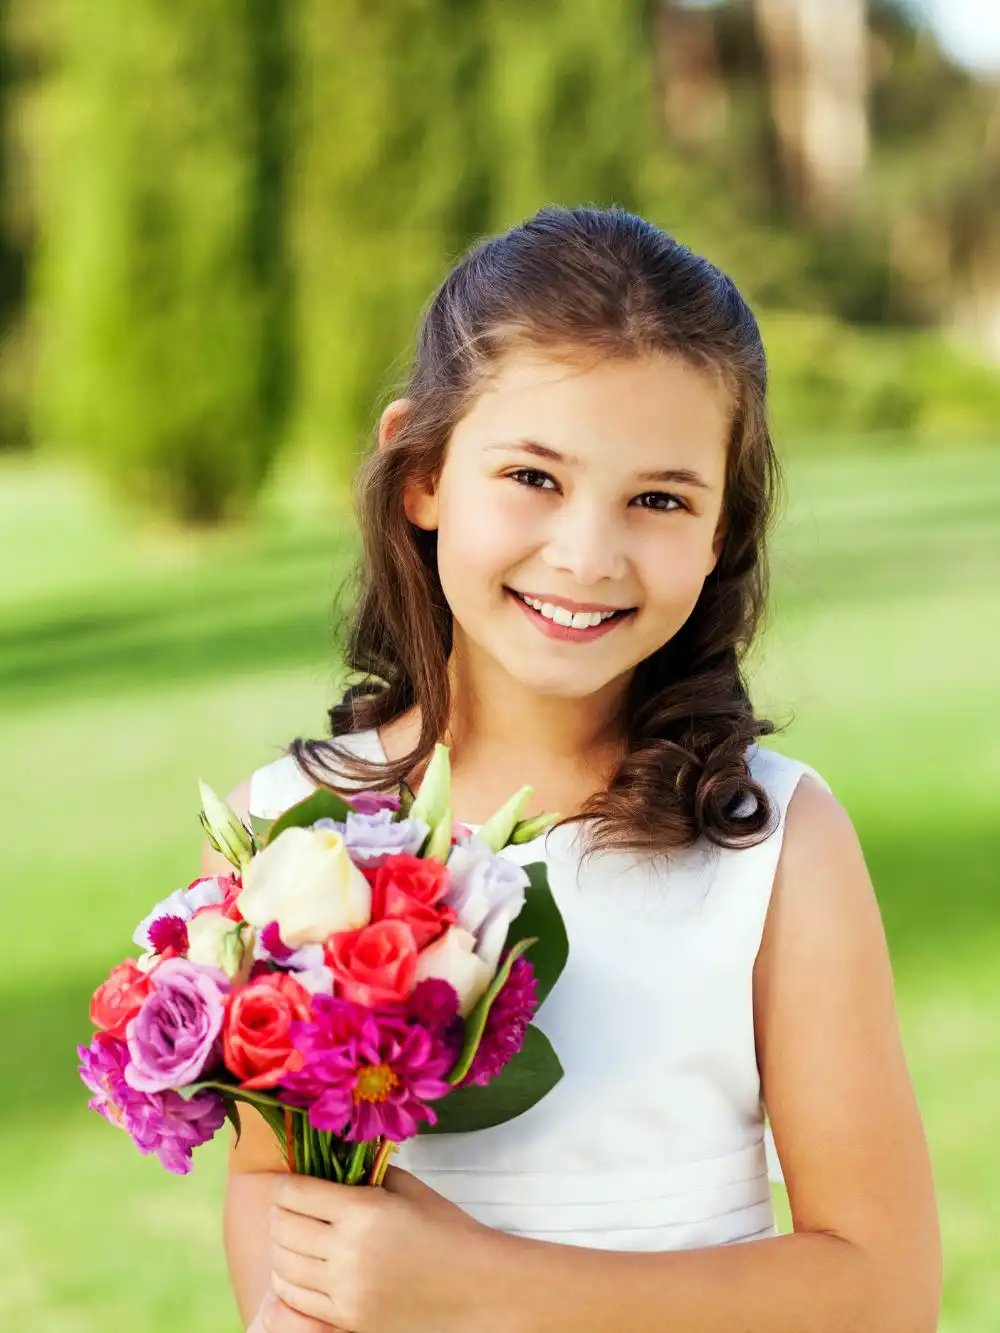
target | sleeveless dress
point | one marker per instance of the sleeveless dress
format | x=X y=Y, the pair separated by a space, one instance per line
x=654 y=1139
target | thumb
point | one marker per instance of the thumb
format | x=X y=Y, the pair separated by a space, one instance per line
x=398 y=1181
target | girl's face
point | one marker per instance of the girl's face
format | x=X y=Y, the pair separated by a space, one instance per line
x=578 y=516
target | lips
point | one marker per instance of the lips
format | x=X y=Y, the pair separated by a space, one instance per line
x=551 y=629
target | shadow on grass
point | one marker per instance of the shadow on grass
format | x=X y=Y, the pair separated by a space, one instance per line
x=266 y=609
x=939 y=900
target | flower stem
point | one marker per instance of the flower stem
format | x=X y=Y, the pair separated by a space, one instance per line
x=386 y=1149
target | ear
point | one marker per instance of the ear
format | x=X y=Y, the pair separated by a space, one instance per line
x=392 y=418
x=419 y=502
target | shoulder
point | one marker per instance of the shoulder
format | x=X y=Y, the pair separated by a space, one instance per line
x=271 y=789
x=822 y=890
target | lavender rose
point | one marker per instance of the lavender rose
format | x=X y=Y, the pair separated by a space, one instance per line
x=371 y=838
x=487 y=893
x=175 y=1036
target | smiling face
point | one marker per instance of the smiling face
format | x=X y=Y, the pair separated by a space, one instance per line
x=567 y=494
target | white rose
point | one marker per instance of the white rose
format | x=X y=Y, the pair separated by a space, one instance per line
x=453 y=958
x=215 y=941
x=305 y=881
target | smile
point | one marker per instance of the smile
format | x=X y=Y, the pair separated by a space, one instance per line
x=556 y=622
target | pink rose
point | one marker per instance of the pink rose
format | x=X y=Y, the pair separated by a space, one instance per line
x=374 y=965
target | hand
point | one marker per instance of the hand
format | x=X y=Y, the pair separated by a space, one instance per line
x=400 y=1259
x=274 y=1316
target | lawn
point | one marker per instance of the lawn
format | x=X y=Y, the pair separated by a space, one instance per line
x=131 y=662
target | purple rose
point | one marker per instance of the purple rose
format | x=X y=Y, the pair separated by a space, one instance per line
x=370 y=839
x=175 y=1036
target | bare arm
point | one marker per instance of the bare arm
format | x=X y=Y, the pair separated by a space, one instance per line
x=253 y=1163
x=865 y=1255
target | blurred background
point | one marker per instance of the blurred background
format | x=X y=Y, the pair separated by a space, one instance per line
x=219 y=220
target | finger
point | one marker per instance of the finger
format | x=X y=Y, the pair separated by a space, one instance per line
x=311 y=1303
x=398 y=1181
x=277 y=1317
x=300 y=1269
x=317 y=1198
x=297 y=1232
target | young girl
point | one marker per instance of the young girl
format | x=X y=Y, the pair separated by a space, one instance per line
x=563 y=532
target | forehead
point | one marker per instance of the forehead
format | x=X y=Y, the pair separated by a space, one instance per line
x=638 y=413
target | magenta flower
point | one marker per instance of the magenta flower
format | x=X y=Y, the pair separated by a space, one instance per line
x=371 y=802
x=175 y=1036
x=366 y=1075
x=506 y=1023
x=433 y=1003
x=164 y=1123
x=168 y=932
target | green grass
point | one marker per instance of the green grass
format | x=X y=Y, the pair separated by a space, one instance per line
x=131 y=663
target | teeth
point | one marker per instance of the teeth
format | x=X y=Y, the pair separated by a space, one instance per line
x=571 y=619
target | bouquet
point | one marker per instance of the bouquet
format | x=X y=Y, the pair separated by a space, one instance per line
x=367 y=972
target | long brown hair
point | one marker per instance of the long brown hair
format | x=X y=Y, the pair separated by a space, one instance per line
x=588 y=281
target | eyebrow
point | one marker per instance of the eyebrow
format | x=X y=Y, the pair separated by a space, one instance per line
x=683 y=475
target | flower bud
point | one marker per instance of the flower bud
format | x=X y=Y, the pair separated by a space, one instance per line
x=495 y=833
x=434 y=797
x=225 y=831
x=529 y=829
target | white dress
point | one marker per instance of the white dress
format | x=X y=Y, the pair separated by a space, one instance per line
x=655 y=1137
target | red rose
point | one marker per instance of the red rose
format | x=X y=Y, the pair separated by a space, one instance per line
x=374 y=965
x=119 y=998
x=256 y=1035
x=406 y=888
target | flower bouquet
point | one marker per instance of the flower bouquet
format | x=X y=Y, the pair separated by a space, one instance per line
x=361 y=977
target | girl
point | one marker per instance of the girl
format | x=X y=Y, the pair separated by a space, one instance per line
x=563 y=532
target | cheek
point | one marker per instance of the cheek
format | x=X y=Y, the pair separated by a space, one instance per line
x=676 y=570
x=481 y=536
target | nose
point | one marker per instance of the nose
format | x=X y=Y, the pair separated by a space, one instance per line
x=588 y=543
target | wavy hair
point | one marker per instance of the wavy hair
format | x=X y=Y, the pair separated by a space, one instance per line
x=590 y=281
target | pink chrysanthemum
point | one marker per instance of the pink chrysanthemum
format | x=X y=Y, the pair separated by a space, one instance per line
x=506 y=1024
x=164 y=1123
x=366 y=1075
x=168 y=932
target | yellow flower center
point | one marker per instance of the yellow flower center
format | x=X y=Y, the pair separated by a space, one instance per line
x=374 y=1083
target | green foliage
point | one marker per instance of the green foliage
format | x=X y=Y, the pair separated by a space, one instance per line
x=829 y=377
x=162 y=288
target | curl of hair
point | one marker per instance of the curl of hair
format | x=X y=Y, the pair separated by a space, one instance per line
x=575 y=282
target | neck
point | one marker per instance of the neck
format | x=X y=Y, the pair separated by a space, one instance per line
x=491 y=712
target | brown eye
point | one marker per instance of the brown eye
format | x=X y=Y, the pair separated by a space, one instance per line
x=531 y=478
x=660 y=500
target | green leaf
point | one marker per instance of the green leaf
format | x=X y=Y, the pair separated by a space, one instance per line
x=321 y=804
x=260 y=828
x=476 y=1022
x=540 y=917
x=519 y=1086
x=406 y=799
x=233 y=1116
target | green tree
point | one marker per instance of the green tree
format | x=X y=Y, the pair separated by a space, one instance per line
x=162 y=287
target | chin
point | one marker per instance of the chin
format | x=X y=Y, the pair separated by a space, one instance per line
x=558 y=685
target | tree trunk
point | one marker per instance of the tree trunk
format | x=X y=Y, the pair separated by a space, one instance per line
x=816 y=56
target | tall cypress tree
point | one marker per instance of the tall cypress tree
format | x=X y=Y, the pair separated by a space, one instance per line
x=163 y=287
x=393 y=178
